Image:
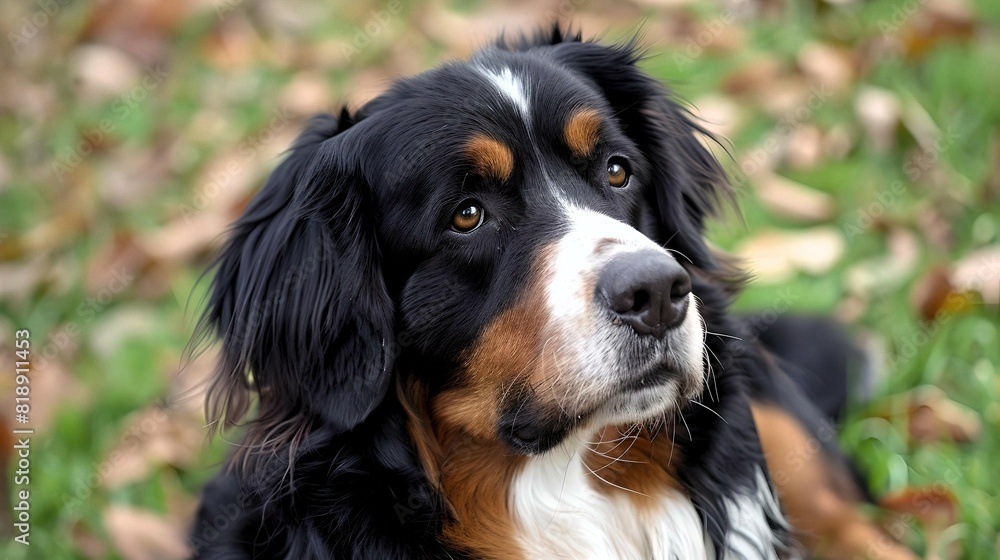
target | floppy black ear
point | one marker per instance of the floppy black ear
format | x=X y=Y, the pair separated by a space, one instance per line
x=687 y=179
x=299 y=301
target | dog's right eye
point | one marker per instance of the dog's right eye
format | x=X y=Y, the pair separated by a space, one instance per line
x=469 y=216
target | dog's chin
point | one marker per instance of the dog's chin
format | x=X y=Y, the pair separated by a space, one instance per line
x=647 y=402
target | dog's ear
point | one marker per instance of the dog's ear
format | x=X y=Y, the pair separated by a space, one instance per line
x=299 y=301
x=687 y=179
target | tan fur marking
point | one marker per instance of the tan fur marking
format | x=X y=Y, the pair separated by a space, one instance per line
x=826 y=521
x=490 y=157
x=582 y=131
x=455 y=431
x=633 y=458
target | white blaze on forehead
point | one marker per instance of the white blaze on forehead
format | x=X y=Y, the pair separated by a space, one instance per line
x=510 y=86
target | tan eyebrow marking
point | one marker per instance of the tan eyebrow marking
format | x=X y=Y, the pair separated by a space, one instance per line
x=581 y=132
x=490 y=157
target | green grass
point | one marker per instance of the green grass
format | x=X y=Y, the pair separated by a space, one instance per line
x=953 y=82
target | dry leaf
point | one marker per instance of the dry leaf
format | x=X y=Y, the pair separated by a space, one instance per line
x=937 y=21
x=773 y=256
x=805 y=147
x=753 y=76
x=139 y=534
x=879 y=113
x=793 y=200
x=979 y=272
x=119 y=259
x=101 y=72
x=933 y=416
x=719 y=115
x=307 y=94
x=930 y=293
x=155 y=437
x=828 y=66
x=885 y=273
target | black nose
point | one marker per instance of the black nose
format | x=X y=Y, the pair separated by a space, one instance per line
x=647 y=290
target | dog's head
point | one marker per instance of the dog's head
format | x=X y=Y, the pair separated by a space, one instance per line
x=517 y=234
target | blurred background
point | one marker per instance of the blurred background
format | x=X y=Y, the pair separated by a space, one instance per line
x=862 y=137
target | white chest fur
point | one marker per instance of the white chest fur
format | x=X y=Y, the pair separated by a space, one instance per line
x=559 y=513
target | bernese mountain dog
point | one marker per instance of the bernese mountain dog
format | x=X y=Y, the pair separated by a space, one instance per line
x=477 y=318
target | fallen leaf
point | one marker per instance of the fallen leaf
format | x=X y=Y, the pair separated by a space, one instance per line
x=979 y=272
x=754 y=75
x=937 y=21
x=885 y=273
x=155 y=437
x=774 y=256
x=934 y=416
x=719 y=114
x=805 y=147
x=101 y=72
x=793 y=200
x=879 y=113
x=827 y=66
x=307 y=94
x=139 y=534
x=930 y=293
x=119 y=258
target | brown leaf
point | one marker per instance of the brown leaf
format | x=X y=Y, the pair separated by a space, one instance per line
x=101 y=72
x=805 y=147
x=773 y=256
x=886 y=272
x=155 y=437
x=793 y=200
x=307 y=94
x=879 y=113
x=935 y=506
x=719 y=114
x=828 y=66
x=933 y=416
x=935 y=22
x=139 y=534
x=979 y=272
x=930 y=293
x=754 y=75
x=119 y=258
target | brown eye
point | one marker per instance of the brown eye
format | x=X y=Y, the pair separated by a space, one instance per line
x=468 y=217
x=617 y=173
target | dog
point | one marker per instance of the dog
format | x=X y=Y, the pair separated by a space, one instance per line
x=477 y=318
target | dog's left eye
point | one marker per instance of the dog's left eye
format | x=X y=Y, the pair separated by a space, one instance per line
x=618 y=174
x=469 y=216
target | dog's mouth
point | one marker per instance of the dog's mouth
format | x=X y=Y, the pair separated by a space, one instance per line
x=649 y=397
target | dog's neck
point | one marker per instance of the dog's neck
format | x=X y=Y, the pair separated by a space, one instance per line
x=606 y=493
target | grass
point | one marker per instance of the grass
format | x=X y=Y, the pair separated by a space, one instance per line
x=61 y=232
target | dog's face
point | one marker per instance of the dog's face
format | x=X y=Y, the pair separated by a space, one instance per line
x=510 y=245
x=517 y=232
